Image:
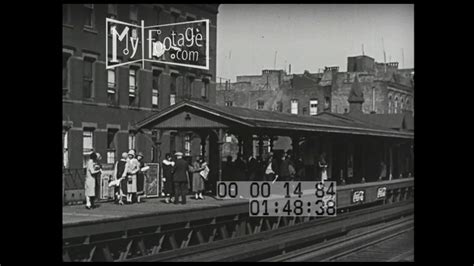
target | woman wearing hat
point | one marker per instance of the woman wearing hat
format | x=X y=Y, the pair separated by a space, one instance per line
x=132 y=168
x=198 y=181
x=92 y=173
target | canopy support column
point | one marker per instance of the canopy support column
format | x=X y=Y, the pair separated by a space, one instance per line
x=220 y=142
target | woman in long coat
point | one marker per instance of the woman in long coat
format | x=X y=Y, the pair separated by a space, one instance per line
x=131 y=169
x=198 y=181
x=167 y=166
x=92 y=173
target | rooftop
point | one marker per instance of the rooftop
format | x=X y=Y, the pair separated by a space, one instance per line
x=262 y=119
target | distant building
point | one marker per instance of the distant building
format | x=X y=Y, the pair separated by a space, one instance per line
x=385 y=89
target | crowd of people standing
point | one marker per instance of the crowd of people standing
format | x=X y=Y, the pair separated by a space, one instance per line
x=272 y=168
x=181 y=175
x=128 y=178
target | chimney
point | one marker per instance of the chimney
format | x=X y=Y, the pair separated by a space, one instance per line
x=289 y=69
x=356 y=97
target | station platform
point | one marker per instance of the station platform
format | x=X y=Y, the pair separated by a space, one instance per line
x=77 y=215
x=109 y=211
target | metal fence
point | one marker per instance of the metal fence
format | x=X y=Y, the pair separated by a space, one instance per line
x=73 y=186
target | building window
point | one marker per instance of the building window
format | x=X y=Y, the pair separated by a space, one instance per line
x=175 y=17
x=396 y=105
x=110 y=156
x=172 y=143
x=134 y=14
x=280 y=106
x=401 y=104
x=89 y=16
x=228 y=103
x=111 y=145
x=66 y=57
x=111 y=79
x=187 y=145
x=66 y=14
x=154 y=98
x=172 y=99
x=157 y=12
x=88 y=77
x=189 y=88
x=390 y=104
x=294 y=106
x=327 y=102
x=155 y=92
x=112 y=9
x=205 y=88
x=260 y=104
x=111 y=13
x=131 y=140
x=111 y=86
x=313 y=107
x=407 y=103
x=87 y=144
x=133 y=86
x=65 y=150
x=156 y=79
x=174 y=77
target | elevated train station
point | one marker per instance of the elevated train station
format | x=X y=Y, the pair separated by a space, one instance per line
x=355 y=145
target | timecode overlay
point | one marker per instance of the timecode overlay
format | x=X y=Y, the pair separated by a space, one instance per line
x=283 y=198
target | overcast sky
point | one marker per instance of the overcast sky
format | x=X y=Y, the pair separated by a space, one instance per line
x=310 y=36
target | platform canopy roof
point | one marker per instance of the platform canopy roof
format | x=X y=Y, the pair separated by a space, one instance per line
x=192 y=114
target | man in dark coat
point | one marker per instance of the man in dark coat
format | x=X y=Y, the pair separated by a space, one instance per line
x=240 y=168
x=252 y=169
x=271 y=168
x=180 y=178
x=167 y=165
x=300 y=170
x=260 y=168
x=228 y=170
x=285 y=172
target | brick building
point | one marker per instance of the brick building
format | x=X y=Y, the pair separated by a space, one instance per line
x=386 y=90
x=101 y=106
